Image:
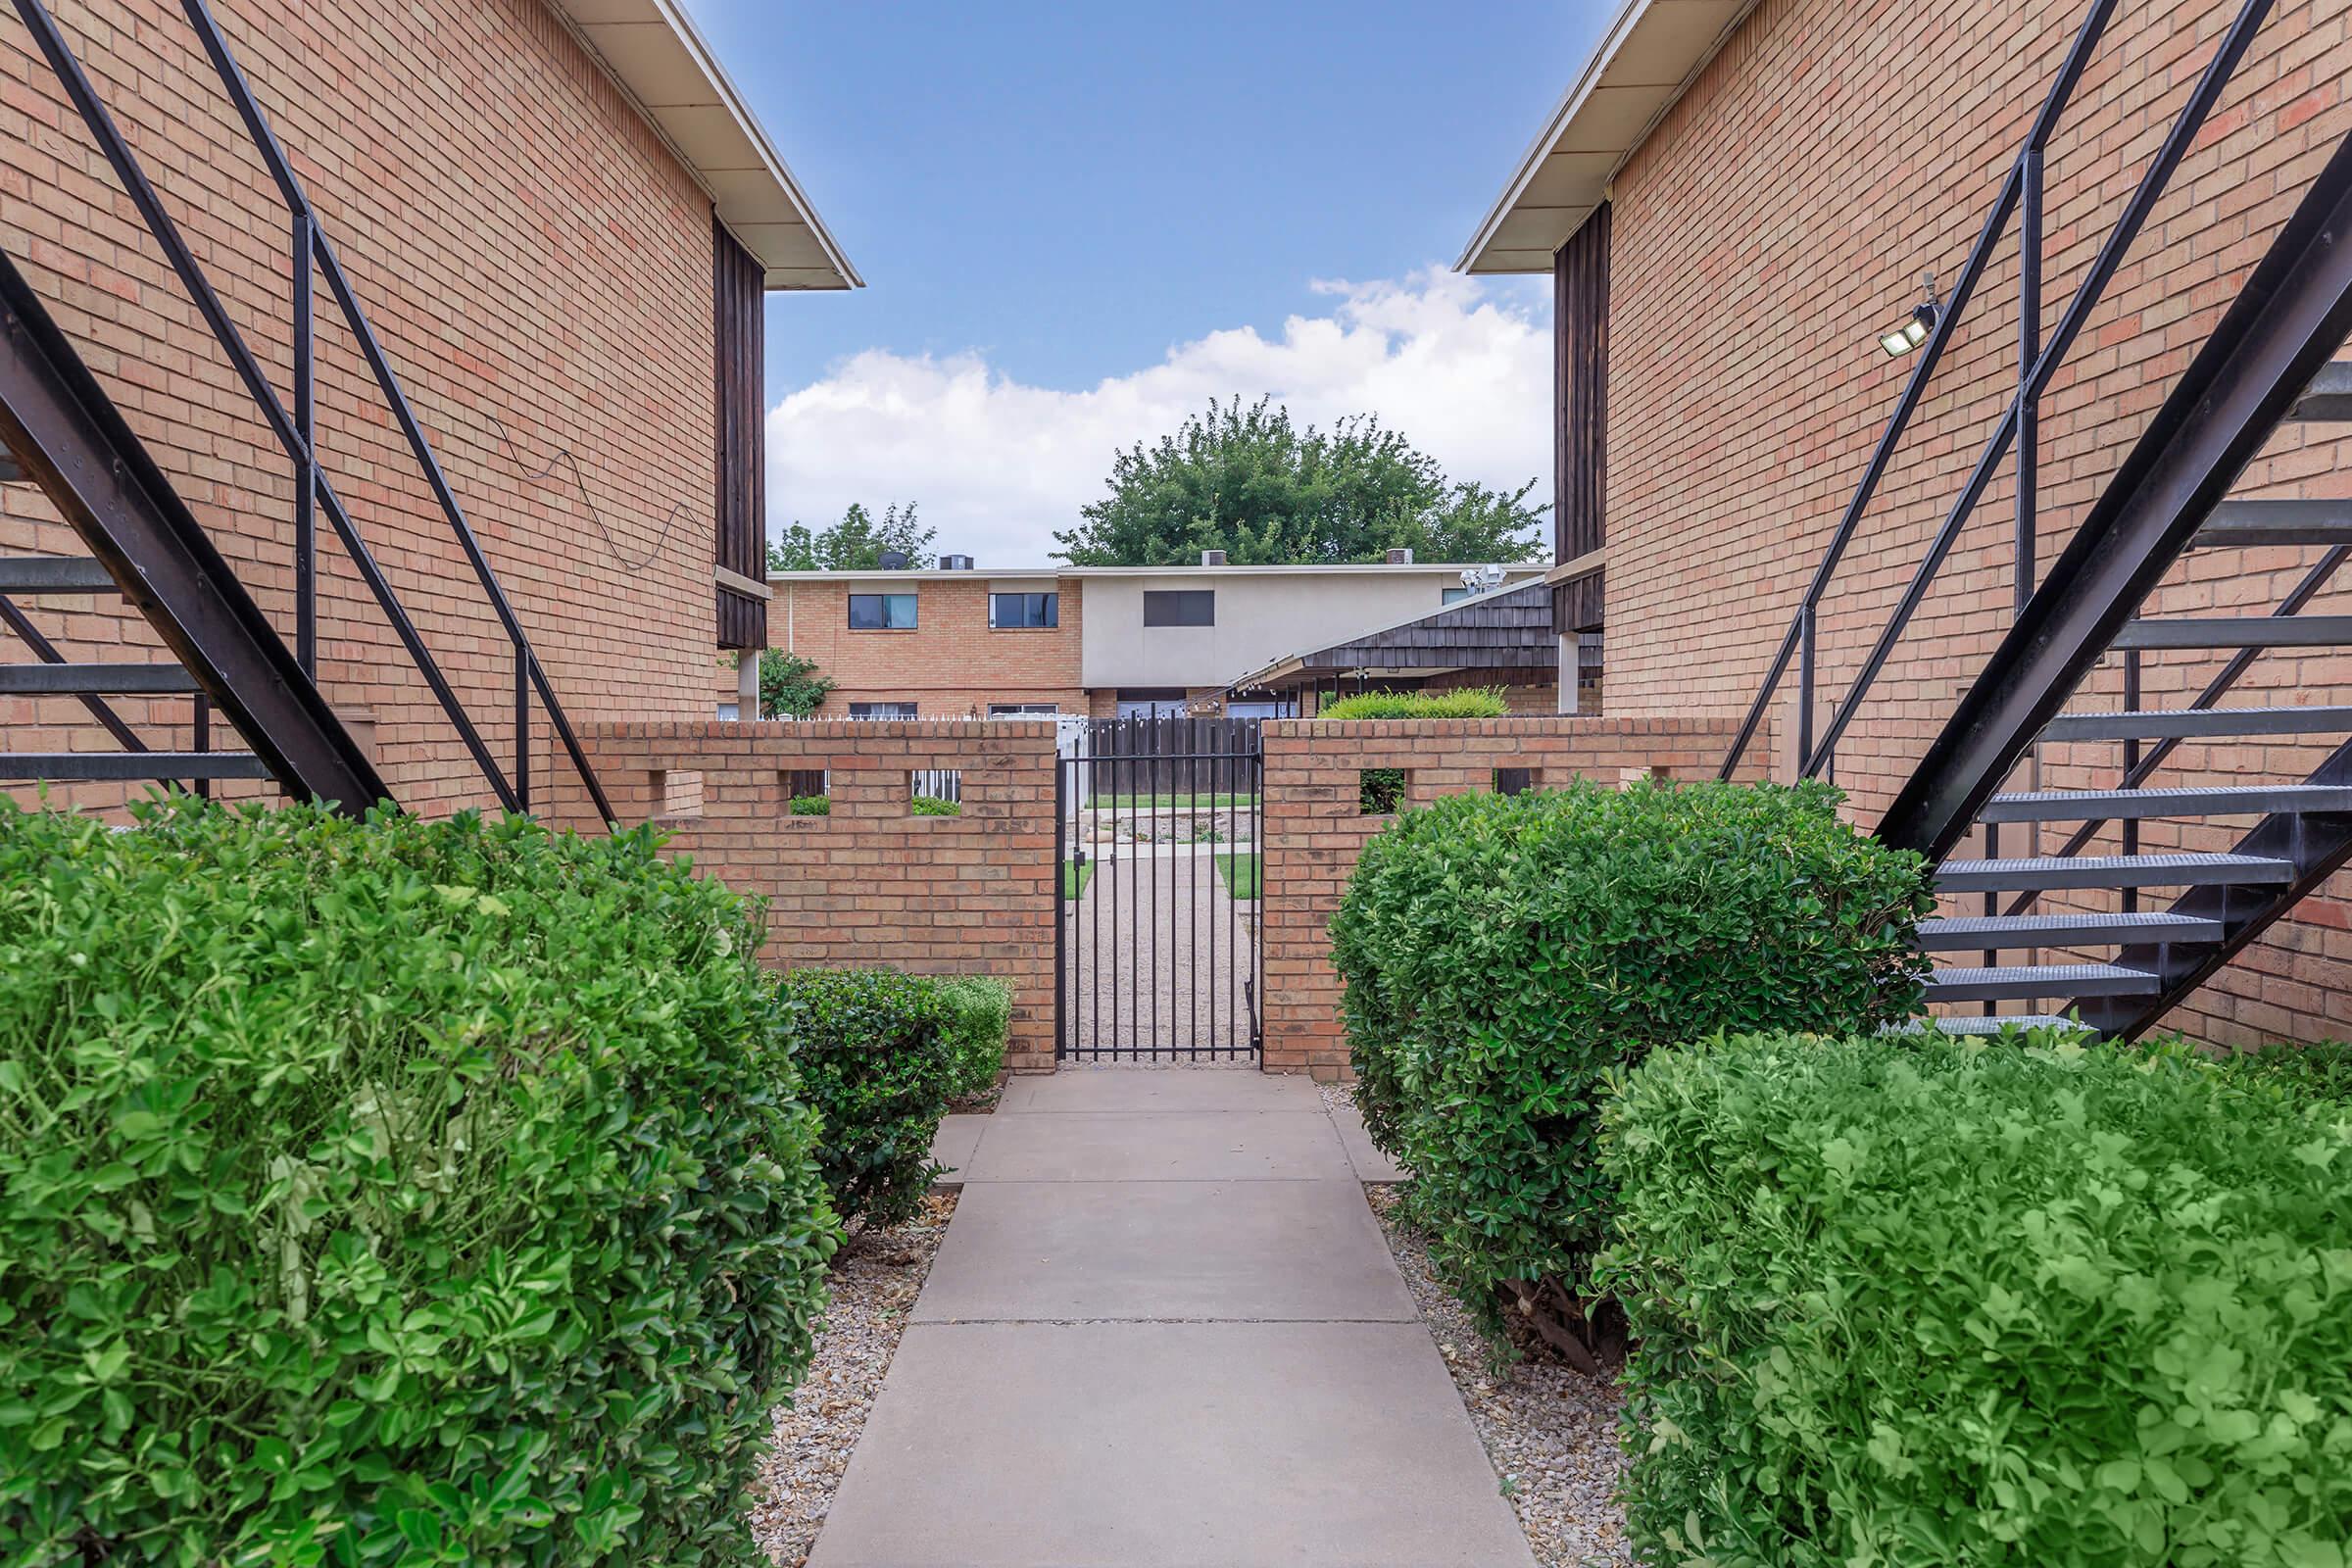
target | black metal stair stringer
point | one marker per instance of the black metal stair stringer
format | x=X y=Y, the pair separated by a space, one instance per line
x=70 y=439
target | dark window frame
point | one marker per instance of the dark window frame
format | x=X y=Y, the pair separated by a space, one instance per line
x=881 y=621
x=1174 y=606
x=1050 y=609
x=870 y=714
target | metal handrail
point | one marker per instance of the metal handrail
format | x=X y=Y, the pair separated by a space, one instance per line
x=2022 y=188
x=294 y=431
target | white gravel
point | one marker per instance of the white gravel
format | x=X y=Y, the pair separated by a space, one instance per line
x=873 y=1284
x=1550 y=1430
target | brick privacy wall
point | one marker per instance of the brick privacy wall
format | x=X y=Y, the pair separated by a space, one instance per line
x=869 y=886
x=1779 y=217
x=950 y=666
x=527 y=250
x=1315 y=829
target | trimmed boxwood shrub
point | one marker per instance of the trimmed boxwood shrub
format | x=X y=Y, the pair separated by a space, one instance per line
x=1966 y=1301
x=387 y=1193
x=878 y=1061
x=1503 y=954
x=979 y=1021
x=1470 y=702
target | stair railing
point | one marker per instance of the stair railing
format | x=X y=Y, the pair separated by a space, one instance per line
x=295 y=432
x=2020 y=195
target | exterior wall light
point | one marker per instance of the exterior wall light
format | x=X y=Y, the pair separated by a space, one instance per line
x=1915 y=327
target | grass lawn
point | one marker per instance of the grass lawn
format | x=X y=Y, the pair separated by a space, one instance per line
x=1242 y=873
x=1140 y=803
x=1074 y=878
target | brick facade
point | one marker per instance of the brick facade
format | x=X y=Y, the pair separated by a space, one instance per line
x=952 y=666
x=1314 y=828
x=871 y=885
x=1779 y=216
x=531 y=255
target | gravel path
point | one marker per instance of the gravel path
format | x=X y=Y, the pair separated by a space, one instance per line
x=873 y=1284
x=1550 y=1431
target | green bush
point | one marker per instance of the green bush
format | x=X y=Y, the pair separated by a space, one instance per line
x=1503 y=954
x=387 y=1193
x=1380 y=791
x=812 y=805
x=2322 y=1071
x=979 y=1021
x=1965 y=1301
x=877 y=1062
x=933 y=806
x=1470 y=702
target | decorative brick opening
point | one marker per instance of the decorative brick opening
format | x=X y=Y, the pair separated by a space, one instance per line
x=934 y=792
x=1516 y=780
x=1382 y=790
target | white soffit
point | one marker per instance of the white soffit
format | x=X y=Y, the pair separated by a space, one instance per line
x=1641 y=67
x=653 y=50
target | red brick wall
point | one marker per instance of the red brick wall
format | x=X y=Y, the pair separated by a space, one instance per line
x=1314 y=828
x=869 y=885
x=528 y=251
x=1779 y=217
x=952 y=664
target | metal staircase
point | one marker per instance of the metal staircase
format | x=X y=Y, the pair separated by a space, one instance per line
x=2270 y=361
x=60 y=431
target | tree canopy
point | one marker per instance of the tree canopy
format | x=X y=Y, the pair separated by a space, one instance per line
x=1247 y=481
x=853 y=544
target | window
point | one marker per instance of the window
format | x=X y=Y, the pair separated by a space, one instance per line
x=882 y=710
x=881 y=612
x=730 y=712
x=1023 y=611
x=1022 y=710
x=738 y=286
x=1180 y=606
x=1455 y=596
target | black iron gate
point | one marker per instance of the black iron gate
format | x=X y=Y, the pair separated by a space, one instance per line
x=1158 y=835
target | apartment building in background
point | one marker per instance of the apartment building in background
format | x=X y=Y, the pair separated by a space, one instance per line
x=499 y=266
x=958 y=641
x=1754 y=217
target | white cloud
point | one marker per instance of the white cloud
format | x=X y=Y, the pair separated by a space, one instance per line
x=1461 y=367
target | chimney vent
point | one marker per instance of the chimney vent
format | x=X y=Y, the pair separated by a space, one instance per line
x=955 y=563
x=1401 y=557
x=1212 y=557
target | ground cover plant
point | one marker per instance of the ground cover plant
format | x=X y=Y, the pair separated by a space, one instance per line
x=1075 y=875
x=1242 y=873
x=879 y=1060
x=387 y=1193
x=812 y=805
x=1471 y=702
x=979 y=1021
x=934 y=805
x=1970 y=1301
x=1503 y=956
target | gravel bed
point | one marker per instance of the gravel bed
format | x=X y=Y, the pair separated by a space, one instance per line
x=873 y=1284
x=1550 y=1430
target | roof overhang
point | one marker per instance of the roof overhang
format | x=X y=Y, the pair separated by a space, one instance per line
x=654 y=52
x=1641 y=67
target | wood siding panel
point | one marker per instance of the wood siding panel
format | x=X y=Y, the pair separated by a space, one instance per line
x=1579 y=278
x=738 y=327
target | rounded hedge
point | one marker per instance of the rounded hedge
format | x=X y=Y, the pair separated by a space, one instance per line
x=1944 y=1300
x=387 y=1193
x=1503 y=955
x=879 y=1057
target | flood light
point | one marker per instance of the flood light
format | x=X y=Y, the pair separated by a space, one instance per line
x=1914 y=329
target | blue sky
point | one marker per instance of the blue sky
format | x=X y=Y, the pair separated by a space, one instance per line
x=1053 y=198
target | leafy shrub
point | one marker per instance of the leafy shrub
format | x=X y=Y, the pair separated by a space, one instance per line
x=933 y=806
x=877 y=1063
x=812 y=805
x=979 y=1021
x=790 y=686
x=387 y=1193
x=1380 y=791
x=2320 y=1072
x=1962 y=1301
x=1503 y=954
x=1470 y=702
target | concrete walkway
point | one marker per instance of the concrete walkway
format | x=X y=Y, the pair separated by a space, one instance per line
x=1163 y=1331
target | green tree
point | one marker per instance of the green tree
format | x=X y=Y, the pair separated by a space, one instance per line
x=790 y=686
x=853 y=544
x=1248 y=481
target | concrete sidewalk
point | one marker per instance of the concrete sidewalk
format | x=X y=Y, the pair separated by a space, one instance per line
x=1163 y=1331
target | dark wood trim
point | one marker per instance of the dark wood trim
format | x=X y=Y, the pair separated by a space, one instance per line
x=1579 y=278
x=738 y=294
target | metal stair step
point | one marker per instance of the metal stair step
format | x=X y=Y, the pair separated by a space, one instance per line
x=2043 y=873
x=2236 y=631
x=1982 y=933
x=131 y=766
x=52 y=574
x=94 y=680
x=2022 y=982
x=2246 y=524
x=2328 y=397
x=2228 y=800
x=2191 y=723
x=1977 y=1024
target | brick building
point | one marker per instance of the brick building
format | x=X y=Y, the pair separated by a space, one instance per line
x=560 y=221
x=1100 y=641
x=1736 y=200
